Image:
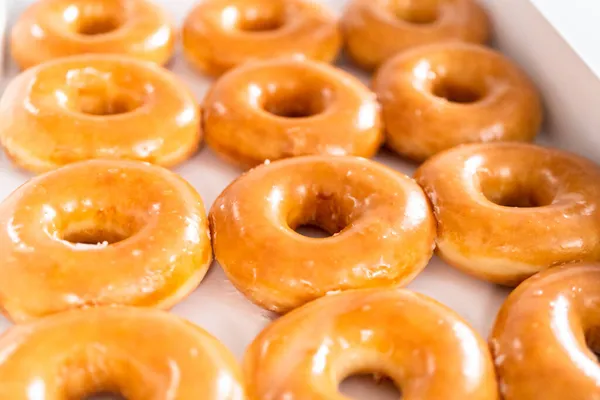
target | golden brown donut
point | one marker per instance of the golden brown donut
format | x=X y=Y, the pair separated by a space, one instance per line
x=220 y=34
x=135 y=352
x=50 y=29
x=508 y=210
x=97 y=106
x=439 y=96
x=426 y=348
x=283 y=108
x=375 y=30
x=381 y=226
x=101 y=233
x=546 y=334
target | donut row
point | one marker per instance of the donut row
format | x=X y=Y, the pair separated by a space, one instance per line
x=262 y=111
x=539 y=346
x=503 y=212
x=74 y=241
x=279 y=101
x=220 y=34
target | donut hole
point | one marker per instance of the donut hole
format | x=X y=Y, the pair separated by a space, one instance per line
x=370 y=386
x=100 y=232
x=519 y=200
x=94 y=17
x=260 y=23
x=100 y=91
x=95 y=236
x=509 y=191
x=456 y=92
x=592 y=338
x=300 y=103
x=516 y=197
x=313 y=231
x=418 y=14
x=105 y=396
x=98 y=24
x=107 y=104
x=321 y=214
x=95 y=371
x=96 y=385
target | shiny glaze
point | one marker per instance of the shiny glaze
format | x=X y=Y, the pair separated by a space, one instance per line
x=426 y=348
x=539 y=339
x=382 y=226
x=140 y=353
x=220 y=34
x=375 y=30
x=50 y=29
x=97 y=106
x=338 y=114
x=163 y=254
x=419 y=123
x=508 y=210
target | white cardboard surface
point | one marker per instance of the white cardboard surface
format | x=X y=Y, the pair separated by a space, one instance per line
x=557 y=43
x=216 y=305
x=577 y=23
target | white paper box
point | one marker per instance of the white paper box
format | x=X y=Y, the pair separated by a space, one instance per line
x=557 y=43
x=571 y=91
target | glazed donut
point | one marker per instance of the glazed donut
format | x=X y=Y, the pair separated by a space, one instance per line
x=283 y=108
x=423 y=346
x=545 y=336
x=375 y=30
x=82 y=353
x=101 y=233
x=381 y=226
x=439 y=96
x=51 y=29
x=220 y=34
x=508 y=210
x=96 y=106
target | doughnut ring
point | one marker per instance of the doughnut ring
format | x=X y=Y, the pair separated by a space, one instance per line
x=97 y=106
x=425 y=348
x=508 y=210
x=113 y=350
x=221 y=34
x=51 y=29
x=381 y=226
x=546 y=334
x=289 y=107
x=376 y=30
x=101 y=233
x=436 y=97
